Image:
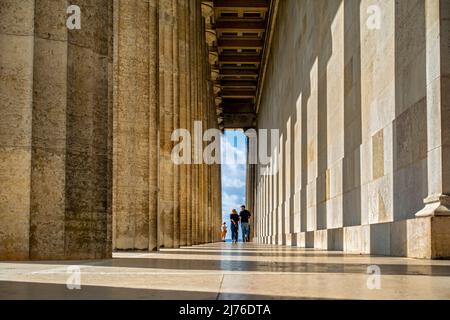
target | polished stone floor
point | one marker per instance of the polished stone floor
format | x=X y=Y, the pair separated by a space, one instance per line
x=226 y=271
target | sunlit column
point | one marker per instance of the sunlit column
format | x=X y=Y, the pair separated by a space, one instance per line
x=177 y=91
x=16 y=89
x=438 y=108
x=134 y=125
x=183 y=34
x=166 y=105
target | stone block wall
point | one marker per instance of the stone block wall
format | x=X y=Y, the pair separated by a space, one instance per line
x=351 y=84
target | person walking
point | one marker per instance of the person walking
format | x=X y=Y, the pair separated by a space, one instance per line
x=224 y=231
x=234 y=218
x=245 y=223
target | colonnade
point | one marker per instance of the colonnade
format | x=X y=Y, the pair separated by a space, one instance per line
x=86 y=122
x=55 y=137
x=162 y=83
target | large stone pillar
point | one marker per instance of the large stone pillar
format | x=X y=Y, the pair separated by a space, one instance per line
x=200 y=99
x=428 y=235
x=205 y=102
x=16 y=102
x=88 y=124
x=191 y=117
x=176 y=121
x=153 y=53
x=250 y=195
x=59 y=140
x=183 y=33
x=197 y=159
x=166 y=210
x=135 y=132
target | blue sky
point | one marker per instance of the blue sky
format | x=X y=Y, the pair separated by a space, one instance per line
x=233 y=173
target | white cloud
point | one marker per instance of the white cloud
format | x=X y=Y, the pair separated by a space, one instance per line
x=233 y=160
x=231 y=201
x=233 y=149
x=232 y=182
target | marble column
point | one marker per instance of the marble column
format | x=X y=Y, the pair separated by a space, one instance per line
x=205 y=179
x=429 y=233
x=135 y=134
x=87 y=129
x=16 y=105
x=176 y=121
x=153 y=53
x=166 y=104
x=183 y=16
x=55 y=138
x=191 y=117
x=196 y=81
x=201 y=176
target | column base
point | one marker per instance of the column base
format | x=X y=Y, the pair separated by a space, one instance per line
x=429 y=237
x=438 y=205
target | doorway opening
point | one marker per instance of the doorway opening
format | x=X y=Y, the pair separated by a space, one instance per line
x=234 y=176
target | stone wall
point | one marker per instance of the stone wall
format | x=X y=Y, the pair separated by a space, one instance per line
x=354 y=106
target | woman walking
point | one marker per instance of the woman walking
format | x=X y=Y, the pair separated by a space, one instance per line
x=234 y=218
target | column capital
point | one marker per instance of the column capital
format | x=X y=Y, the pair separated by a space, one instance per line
x=207 y=8
x=435 y=205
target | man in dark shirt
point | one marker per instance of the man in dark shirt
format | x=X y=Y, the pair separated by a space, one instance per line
x=245 y=223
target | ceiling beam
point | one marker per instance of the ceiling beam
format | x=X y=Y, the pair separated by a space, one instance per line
x=240 y=44
x=241 y=4
x=239 y=121
x=239 y=84
x=238 y=107
x=238 y=93
x=239 y=59
x=238 y=72
x=240 y=26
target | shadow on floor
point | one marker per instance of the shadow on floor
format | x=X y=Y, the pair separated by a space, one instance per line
x=43 y=291
x=242 y=253
x=161 y=263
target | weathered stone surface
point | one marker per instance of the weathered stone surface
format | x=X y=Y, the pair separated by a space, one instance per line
x=16 y=98
x=55 y=140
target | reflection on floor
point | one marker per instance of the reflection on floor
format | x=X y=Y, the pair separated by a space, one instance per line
x=227 y=271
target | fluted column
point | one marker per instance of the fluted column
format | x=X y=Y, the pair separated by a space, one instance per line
x=135 y=127
x=16 y=105
x=191 y=117
x=153 y=53
x=204 y=118
x=183 y=16
x=176 y=121
x=433 y=221
x=196 y=81
x=55 y=131
x=166 y=104
x=438 y=108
